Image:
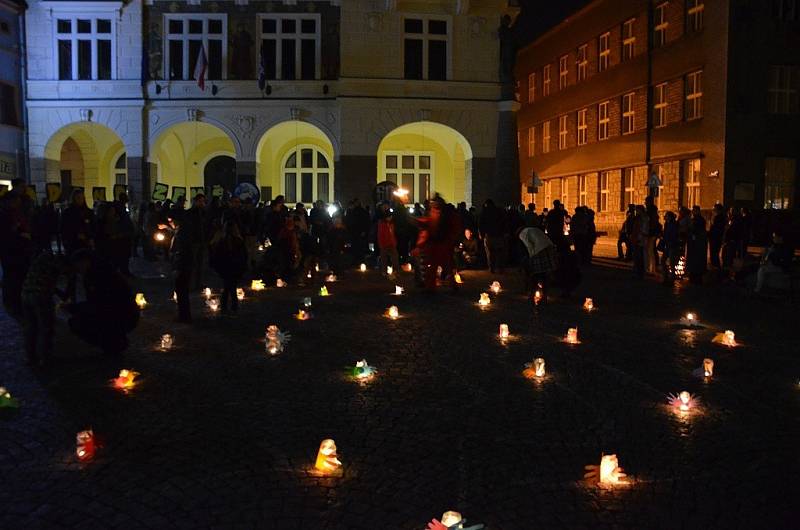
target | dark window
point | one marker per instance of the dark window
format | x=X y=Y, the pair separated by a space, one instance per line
x=437 y=60
x=307 y=190
x=64 y=59
x=122 y=162
x=424 y=162
x=8 y=105
x=215 y=26
x=84 y=59
x=308 y=26
x=196 y=26
x=308 y=59
x=437 y=27
x=288 y=67
x=215 y=59
x=4 y=27
x=84 y=26
x=175 y=59
x=64 y=26
x=268 y=53
x=321 y=160
x=323 y=187
x=413 y=59
x=103 y=26
x=194 y=54
x=407 y=183
x=269 y=25
x=306 y=158
x=413 y=25
x=288 y=25
x=291 y=188
x=176 y=26
x=103 y=59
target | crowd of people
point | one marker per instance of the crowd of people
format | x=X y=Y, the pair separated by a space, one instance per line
x=82 y=255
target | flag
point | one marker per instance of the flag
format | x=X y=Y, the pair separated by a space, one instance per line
x=200 y=68
x=262 y=70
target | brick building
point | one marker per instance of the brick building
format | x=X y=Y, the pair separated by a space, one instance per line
x=699 y=93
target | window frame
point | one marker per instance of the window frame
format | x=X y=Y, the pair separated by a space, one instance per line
x=189 y=63
x=426 y=37
x=583 y=127
x=546 y=80
x=693 y=100
x=660 y=25
x=603 y=121
x=583 y=186
x=603 y=179
x=660 y=105
x=564 y=191
x=93 y=36
x=531 y=141
x=299 y=170
x=603 y=51
x=297 y=36
x=691 y=180
x=628 y=189
x=563 y=131
x=695 y=10
x=416 y=171
x=629 y=41
x=532 y=87
x=780 y=95
x=629 y=115
x=546 y=137
x=563 y=72
x=785 y=189
x=582 y=62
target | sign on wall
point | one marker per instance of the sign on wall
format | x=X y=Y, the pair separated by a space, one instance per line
x=53 y=190
x=178 y=192
x=160 y=192
x=99 y=193
x=8 y=168
x=119 y=189
x=196 y=190
x=217 y=191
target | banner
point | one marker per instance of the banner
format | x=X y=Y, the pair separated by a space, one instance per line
x=53 y=190
x=194 y=190
x=98 y=193
x=160 y=192
x=177 y=193
x=119 y=189
x=31 y=190
x=217 y=191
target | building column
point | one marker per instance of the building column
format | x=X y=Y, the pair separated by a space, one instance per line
x=505 y=188
x=246 y=171
x=354 y=178
x=138 y=190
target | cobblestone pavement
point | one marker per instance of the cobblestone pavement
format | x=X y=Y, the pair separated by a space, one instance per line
x=218 y=434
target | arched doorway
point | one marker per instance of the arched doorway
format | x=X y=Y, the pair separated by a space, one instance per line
x=426 y=158
x=220 y=171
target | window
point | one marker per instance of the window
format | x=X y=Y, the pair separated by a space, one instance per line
x=582 y=61
x=691 y=174
x=694 y=15
x=562 y=132
x=563 y=70
x=780 y=175
x=426 y=48
x=546 y=80
x=9 y=106
x=628 y=40
x=582 y=127
x=628 y=113
x=655 y=191
x=660 y=105
x=785 y=10
x=783 y=89
x=564 y=191
x=602 y=203
x=85 y=48
x=121 y=170
x=531 y=141
x=604 y=52
x=582 y=185
x=694 y=96
x=548 y=192
x=628 y=190
x=531 y=88
x=660 y=25
x=602 y=121
x=290 y=46
x=188 y=36
x=546 y=137
x=411 y=171
x=307 y=176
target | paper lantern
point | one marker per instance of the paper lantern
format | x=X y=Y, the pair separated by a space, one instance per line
x=363 y=371
x=257 y=285
x=126 y=380
x=141 y=301
x=572 y=336
x=588 y=304
x=174 y=296
x=239 y=294
x=450 y=519
x=276 y=340
x=308 y=275
x=159 y=236
x=458 y=279
x=680 y=268
x=261 y=248
x=207 y=292
x=537 y=297
x=484 y=299
x=504 y=334
x=728 y=338
x=683 y=401
x=323 y=291
x=307 y=301
x=398 y=291
x=86 y=445
x=327 y=459
x=6 y=400
x=166 y=341
x=690 y=320
x=213 y=304
x=708 y=367
x=280 y=283
x=331 y=278
x=302 y=314
x=408 y=268
x=363 y=267
x=393 y=312
x=495 y=287
x=610 y=472
x=538 y=367
x=316 y=267
x=389 y=270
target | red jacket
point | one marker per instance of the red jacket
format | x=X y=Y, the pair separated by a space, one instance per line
x=386 y=237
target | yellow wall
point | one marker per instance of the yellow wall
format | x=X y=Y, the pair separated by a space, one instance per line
x=182 y=151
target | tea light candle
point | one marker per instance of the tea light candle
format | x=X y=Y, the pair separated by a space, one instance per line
x=240 y=293
x=393 y=312
x=257 y=285
x=572 y=336
x=398 y=291
x=166 y=341
x=484 y=299
x=140 y=300
x=280 y=283
x=504 y=334
x=363 y=267
x=708 y=367
x=495 y=287
x=537 y=297
x=458 y=278
x=327 y=459
x=588 y=304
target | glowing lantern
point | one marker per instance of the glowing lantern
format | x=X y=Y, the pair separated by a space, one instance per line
x=537 y=297
x=588 y=304
x=239 y=294
x=330 y=278
x=308 y=275
x=257 y=285
x=6 y=401
x=307 y=301
x=727 y=338
x=261 y=248
x=534 y=369
x=610 y=472
x=398 y=291
x=393 y=312
x=450 y=519
x=363 y=371
x=408 y=268
x=166 y=341
x=174 y=296
x=680 y=268
x=141 y=301
x=316 y=267
x=327 y=459
x=323 y=291
x=572 y=336
x=276 y=340
x=708 y=367
x=484 y=299
x=302 y=314
x=363 y=267
x=280 y=283
x=207 y=292
x=86 y=446
x=458 y=279
x=213 y=304
x=683 y=401
x=159 y=236
x=389 y=270
x=690 y=320
x=125 y=380
x=504 y=334
x=495 y=287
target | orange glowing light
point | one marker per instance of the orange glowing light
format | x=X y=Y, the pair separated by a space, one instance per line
x=495 y=287
x=458 y=278
x=141 y=301
x=363 y=267
x=86 y=445
x=588 y=304
x=257 y=285
x=327 y=459
x=393 y=312
x=407 y=267
x=537 y=297
x=125 y=380
x=504 y=334
x=708 y=367
x=572 y=336
x=728 y=338
x=484 y=299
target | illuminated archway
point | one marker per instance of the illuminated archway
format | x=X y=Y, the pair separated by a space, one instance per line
x=84 y=155
x=182 y=151
x=424 y=158
x=295 y=159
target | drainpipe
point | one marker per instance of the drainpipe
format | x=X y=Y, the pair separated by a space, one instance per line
x=23 y=83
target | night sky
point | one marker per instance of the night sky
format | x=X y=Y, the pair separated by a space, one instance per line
x=539 y=15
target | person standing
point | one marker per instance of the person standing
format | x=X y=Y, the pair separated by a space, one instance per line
x=653 y=232
x=185 y=245
x=715 y=235
x=16 y=248
x=229 y=259
x=697 y=248
x=387 y=241
x=77 y=224
x=492 y=228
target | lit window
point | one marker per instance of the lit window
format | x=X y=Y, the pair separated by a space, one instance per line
x=86 y=48
x=694 y=15
x=426 y=51
x=411 y=171
x=191 y=36
x=628 y=114
x=563 y=71
x=562 y=132
x=660 y=25
x=290 y=46
x=582 y=191
x=602 y=121
x=694 y=96
x=628 y=40
x=307 y=176
x=564 y=191
x=628 y=189
x=691 y=174
x=603 y=186
x=582 y=61
x=548 y=192
x=546 y=137
x=660 y=105
x=604 y=52
x=531 y=141
x=546 y=80
x=531 y=88
x=780 y=175
x=783 y=89
x=582 y=127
